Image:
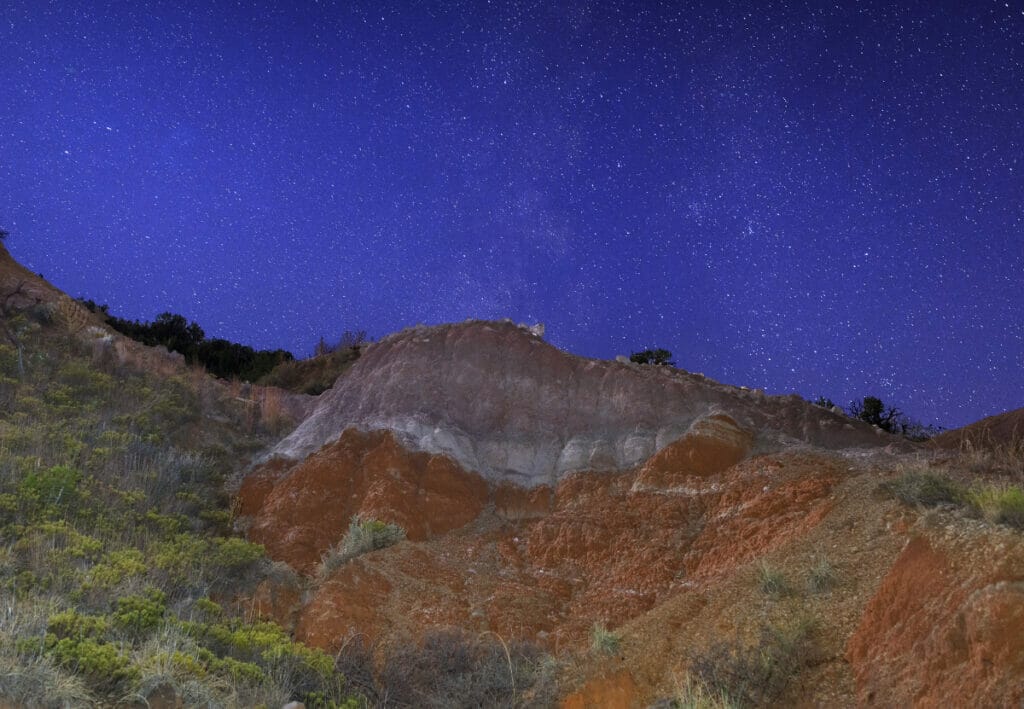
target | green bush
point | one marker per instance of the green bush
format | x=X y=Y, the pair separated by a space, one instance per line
x=925 y=489
x=55 y=487
x=1001 y=505
x=76 y=626
x=103 y=664
x=140 y=614
x=115 y=567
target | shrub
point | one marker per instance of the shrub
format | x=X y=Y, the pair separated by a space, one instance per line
x=38 y=682
x=363 y=536
x=771 y=580
x=141 y=613
x=757 y=674
x=604 y=641
x=658 y=356
x=693 y=693
x=116 y=567
x=55 y=487
x=1000 y=505
x=103 y=664
x=76 y=626
x=822 y=576
x=452 y=669
x=925 y=489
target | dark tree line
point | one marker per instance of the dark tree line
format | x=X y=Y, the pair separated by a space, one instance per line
x=890 y=419
x=222 y=358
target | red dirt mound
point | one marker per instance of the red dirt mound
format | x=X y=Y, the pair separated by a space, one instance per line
x=946 y=627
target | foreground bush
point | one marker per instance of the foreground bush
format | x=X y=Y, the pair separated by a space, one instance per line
x=755 y=675
x=452 y=669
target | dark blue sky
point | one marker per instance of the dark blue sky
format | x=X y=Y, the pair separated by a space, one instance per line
x=809 y=197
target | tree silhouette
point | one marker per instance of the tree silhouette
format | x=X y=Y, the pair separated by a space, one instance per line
x=872 y=410
x=658 y=356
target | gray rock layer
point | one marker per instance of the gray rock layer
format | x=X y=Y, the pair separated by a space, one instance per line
x=504 y=403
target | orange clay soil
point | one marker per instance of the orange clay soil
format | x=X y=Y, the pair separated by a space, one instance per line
x=923 y=607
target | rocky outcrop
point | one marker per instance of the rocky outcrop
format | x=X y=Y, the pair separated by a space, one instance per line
x=501 y=402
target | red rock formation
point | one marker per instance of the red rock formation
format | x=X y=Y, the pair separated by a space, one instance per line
x=308 y=509
x=597 y=548
x=946 y=626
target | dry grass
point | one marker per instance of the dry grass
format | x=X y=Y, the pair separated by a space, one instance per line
x=984 y=455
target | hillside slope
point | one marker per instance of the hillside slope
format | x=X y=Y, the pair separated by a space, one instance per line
x=546 y=495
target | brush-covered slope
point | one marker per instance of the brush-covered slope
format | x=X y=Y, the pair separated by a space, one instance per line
x=505 y=404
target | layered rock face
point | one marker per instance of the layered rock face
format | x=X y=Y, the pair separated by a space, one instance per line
x=500 y=401
x=543 y=493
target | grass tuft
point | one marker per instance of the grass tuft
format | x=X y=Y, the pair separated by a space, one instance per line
x=771 y=580
x=822 y=576
x=604 y=641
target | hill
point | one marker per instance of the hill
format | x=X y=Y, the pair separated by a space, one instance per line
x=472 y=517
x=686 y=526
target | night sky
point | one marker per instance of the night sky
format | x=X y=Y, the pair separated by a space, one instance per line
x=798 y=196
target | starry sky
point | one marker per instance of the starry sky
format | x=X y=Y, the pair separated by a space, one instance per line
x=821 y=198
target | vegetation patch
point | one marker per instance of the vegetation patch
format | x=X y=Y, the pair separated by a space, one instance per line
x=318 y=373
x=757 y=674
x=771 y=580
x=821 y=578
x=604 y=641
x=997 y=502
x=363 y=536
x=451 y=668
x=113 y=517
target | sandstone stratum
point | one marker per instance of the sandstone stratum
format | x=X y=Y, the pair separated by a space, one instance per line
x=544 y=494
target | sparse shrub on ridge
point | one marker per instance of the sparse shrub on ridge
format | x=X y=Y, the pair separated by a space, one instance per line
x=314 y=375
x=659 y=356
